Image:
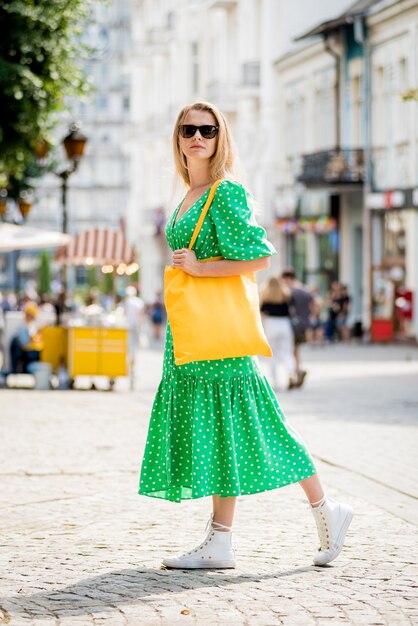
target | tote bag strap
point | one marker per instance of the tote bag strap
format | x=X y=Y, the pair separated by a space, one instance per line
x=203 y=213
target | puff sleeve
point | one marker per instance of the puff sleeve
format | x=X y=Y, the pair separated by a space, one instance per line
x=240 y=238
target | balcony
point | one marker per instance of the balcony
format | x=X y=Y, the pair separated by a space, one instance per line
x=333 y=167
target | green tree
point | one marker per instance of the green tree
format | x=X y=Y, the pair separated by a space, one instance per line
x=92 y=276
x=45 y=273
x=107 y=284
x=41 y=57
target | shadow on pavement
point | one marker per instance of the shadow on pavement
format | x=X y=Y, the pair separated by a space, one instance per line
x=125 y=587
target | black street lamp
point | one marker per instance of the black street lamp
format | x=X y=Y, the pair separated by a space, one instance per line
x=74 y=144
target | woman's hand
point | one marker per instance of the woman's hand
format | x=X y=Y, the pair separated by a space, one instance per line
x=186 y=260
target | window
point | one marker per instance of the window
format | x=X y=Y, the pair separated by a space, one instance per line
x=403 y=113
x=102 y=102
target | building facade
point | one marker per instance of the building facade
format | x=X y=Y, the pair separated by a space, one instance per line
x=313 y=94
x=319 y=202
x=346 y=201
x=392 y=201
x=222 y=51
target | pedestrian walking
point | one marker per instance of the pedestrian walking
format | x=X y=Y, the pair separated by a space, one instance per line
x=157 y=314
x=315 y=330
x=301 y=311
x=216 y=427
x=274 y=304
x=334 y=307
x=344 y=303
x=134 y=307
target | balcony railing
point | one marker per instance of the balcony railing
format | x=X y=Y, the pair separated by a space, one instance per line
x=333 y=167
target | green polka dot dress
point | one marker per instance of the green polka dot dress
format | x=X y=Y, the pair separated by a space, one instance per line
x=216 y=426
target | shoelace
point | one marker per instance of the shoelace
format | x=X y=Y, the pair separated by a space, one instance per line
x=323 y=533
x=211 y=523
x=209 y=528
x=323 y=530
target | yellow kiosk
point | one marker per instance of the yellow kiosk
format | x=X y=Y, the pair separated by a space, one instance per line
x=92 y=350
x=87 y=351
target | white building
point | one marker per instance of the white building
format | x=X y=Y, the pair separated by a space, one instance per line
x=350 y=155
x=319 y=201
x=393 y=198
x=222 y=51
x=319 y=123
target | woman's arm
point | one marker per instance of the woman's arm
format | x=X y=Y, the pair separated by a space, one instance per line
x=186 y=260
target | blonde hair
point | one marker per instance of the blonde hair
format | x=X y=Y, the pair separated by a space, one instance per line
x=31 y=308
x=222 y=162
x=275 y=291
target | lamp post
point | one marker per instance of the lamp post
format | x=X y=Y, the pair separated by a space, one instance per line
x=74 y=144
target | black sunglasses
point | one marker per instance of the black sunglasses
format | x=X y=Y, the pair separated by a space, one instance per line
x=189 y=130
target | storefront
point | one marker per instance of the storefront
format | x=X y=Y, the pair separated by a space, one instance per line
x=393 y=272
x=311 y=236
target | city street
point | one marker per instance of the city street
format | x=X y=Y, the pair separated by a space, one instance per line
x=80 y=547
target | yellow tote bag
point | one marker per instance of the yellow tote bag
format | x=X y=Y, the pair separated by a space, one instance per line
x=213 y=318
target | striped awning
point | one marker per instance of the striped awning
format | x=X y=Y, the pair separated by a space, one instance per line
x=98 y=246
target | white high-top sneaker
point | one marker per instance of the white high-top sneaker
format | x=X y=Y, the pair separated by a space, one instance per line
x=215 y=551
x=332 y=520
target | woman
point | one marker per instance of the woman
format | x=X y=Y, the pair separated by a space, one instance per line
x=315 y=330
x=216 y=427
x=27 y=345
x=275 y=301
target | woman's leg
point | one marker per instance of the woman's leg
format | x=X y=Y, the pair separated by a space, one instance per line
x=332 y=520
x=287 y=338
x=274 y=360
x=216 y=550
x=313 y=489
x=223 y=510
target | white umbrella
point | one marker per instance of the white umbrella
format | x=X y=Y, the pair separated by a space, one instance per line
x=14 y=237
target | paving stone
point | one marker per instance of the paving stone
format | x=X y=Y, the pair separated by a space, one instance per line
x=80 y=548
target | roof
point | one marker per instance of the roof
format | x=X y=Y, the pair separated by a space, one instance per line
x=347 y=17
x=98 y=246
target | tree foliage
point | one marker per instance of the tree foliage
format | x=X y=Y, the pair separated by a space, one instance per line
x=92 y=280
x=106 y=285
x=41 y=59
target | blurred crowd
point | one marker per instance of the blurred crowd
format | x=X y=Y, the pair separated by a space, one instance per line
x=22 y=319
x=294 y=314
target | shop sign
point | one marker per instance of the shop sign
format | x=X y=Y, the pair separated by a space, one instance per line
x=318 y=225
x=393 y=199
x=386 y=200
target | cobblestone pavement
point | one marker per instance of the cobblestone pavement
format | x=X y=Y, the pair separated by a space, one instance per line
x=80 y=547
